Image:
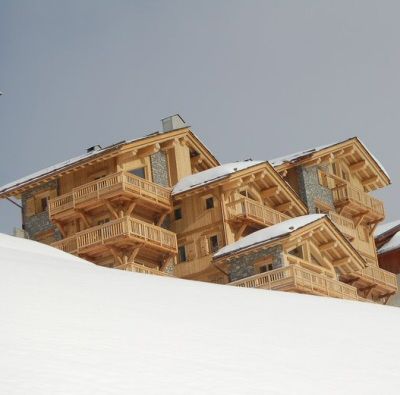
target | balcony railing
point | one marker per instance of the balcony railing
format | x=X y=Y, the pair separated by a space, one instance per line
x=347 y=193
x=296 y=278
x=345 y=225
x=109 y=232
x=136 y=267
x=118 y=182
x=255 y=211
x=379 y=276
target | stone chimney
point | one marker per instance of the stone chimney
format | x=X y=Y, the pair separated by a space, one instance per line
x=173 y=122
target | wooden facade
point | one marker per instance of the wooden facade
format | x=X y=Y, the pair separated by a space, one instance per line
x=118 y=207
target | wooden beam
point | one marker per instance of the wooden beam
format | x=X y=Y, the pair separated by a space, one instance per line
x=133 y=254
x=284 y=206
x=232 y=185
x=358 y=165
x=240 y=232
x=359 y=218
x=131 y=207
x=341 y=261
x=146 y=151
x=84 y=218
x=161 y=219
x=270 y=191
x=328 y=246
x=370 y=180
x=169 y=144
x=60 y=228
x=111 y=209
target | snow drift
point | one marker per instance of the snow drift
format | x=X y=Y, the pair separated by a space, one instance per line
x=69 y=327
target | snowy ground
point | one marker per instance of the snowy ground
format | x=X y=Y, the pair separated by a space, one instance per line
x=69 y=327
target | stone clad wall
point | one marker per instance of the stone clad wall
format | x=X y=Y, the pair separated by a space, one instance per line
x=243 y=267
x=40 y=222
x=159 y=168
x=310 y=189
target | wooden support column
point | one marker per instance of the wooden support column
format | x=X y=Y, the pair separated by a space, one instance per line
x=84 y=218
x=60 y=227
x=111 y=209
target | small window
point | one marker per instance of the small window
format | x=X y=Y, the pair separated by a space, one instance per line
x=298 y=252
x=214 y=246
x=209 y=203
x=139 y=172
x=265 y=268
x=43 y=204
x=178 y=213
x=182 y=254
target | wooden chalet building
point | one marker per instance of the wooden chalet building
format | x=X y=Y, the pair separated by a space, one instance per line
x=163 y=204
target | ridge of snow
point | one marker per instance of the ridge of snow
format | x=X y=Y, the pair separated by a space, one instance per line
x=207 y=176
x=383 y=228
x=270 y=233
x=57 y=166
x=300 y=154
x=69 y=327
x=391 y=245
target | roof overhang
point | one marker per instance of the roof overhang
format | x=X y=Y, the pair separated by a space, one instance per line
x=353 y=152
x=141 y=146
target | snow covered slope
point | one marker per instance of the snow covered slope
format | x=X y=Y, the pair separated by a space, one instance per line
x=69 y=327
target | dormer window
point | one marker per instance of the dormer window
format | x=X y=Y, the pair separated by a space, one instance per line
x=209 y=203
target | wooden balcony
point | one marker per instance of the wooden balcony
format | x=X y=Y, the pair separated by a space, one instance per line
x=358 y=202
x=247 y=210
x=297 y=279
x=373 y=282
x=345 y=225
x=122 y=185
x=120 y=232
x=137 y=268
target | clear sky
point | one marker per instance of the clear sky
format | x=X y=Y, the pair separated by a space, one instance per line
x=255 y=79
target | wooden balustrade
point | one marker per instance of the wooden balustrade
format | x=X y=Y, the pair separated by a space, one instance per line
x=346 y=192
x=136 y=267
x=379 y=276
x=68 y=244
x=345 y=225
x=258 y=212
x=296 y=278
x=123 y=227
x=118 y=182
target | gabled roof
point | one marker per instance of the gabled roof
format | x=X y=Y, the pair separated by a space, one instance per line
x=362 y=152
x=272 y=233
x=392 y=245
x=386 y=228
x=14 y=187
x=214 y=174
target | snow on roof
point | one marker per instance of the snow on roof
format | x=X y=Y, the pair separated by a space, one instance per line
x=297 y=155
x=391 y=245
x=302 y=154
x=210 y=175
x=269 y=234
x=72 y=327
x=383 y=228
x=58 y=166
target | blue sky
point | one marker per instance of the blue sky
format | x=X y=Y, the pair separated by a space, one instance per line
x=254 y=79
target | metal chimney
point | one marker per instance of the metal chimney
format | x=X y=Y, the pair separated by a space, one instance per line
x=173 y=122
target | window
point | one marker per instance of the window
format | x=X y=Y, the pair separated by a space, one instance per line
x=178 y=213
x=209 y=203
x=214 y=246
x=103 y=221
x=43 y=204
x=182 y=254
x=265 y=268
x=139 y=172
x=265 y=265
x=298 y=252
